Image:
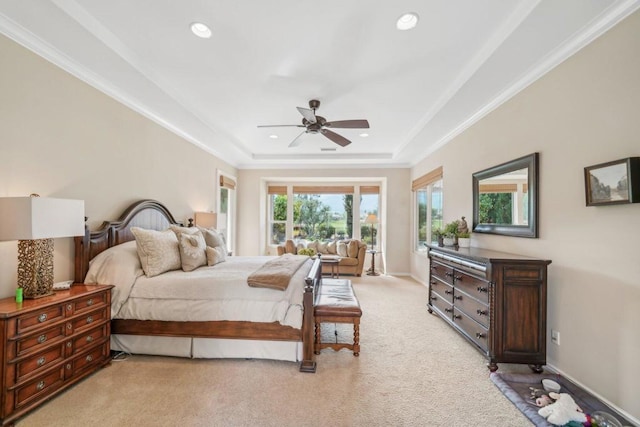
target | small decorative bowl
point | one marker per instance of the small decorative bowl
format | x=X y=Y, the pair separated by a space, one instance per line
x=550 y=385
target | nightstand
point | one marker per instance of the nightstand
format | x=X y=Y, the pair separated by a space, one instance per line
x=50 y=343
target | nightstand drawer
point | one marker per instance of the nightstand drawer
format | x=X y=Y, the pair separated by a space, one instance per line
x=39 y=362
x=80 y=364
x=90 y=338
x=39 y=319
x=90 y=302
x=36 y=341
x=38 y=388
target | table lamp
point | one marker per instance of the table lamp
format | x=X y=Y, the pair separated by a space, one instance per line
x=35 y=221
x=206 y=219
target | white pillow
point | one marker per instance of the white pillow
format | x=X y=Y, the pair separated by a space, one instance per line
x=192 y=250
x=213 y=238
x=216 y=255
x=342 y=249
x=332 y=247
x=158 y=250
x=322 y=248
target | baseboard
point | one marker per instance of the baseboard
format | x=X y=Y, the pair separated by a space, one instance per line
x=622 y=412
x=425 y=284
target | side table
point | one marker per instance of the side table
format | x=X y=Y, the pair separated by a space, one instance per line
x=372 y=270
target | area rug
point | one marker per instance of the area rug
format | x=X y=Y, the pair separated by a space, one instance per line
x=517 y=388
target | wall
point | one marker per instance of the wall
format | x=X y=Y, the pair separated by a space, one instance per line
x=60 y=137
x=252 y=209
x=582 y=113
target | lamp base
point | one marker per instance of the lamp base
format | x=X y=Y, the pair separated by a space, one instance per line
x=35 y=267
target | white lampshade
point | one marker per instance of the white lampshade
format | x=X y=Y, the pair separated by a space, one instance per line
x=206 y=219
x=371 y=219
x=27 y=218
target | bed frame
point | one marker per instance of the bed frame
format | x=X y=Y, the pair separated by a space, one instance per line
x=151 y=214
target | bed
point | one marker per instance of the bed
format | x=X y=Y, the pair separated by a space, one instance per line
x=197 y=334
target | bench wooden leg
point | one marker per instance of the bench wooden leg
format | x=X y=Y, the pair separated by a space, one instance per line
x=356 y=337
x=317 y=344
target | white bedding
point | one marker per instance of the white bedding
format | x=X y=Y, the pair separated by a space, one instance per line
x=219 y=292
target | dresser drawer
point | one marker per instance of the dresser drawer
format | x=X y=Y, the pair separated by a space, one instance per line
x=42 y=338
x=89 y=338
x=472 y=307
x=38 y=388
x=39 y=362
x=442 y=305
x=90 y=302
x=443 y=290
x=79 y=364
x=442 y=272
x=90 y=319
x=39 y=319
x=477 y=288
x=478 y=333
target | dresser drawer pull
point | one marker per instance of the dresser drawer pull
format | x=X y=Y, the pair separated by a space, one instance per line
x=90 y=301
x=89 y=358
x=481 y=312
x=448 y=310
x=481 y=289
x=42 y=338
x=69 y=344
x=40 y=385
x=69 y=307
x=41 y=361
x=448 y=292
x=448 y=274
x=89 y=338
x=433 y=283
x=42 y=317
x=69 y=325
x=434 y=298
x=459 y=278
x=89 y=319
x=433 y=267
x=480 y=335
x=458 y=297
x=69 y=366
x=457 y=316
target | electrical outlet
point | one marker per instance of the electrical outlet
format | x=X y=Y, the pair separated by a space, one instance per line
x=555 y=337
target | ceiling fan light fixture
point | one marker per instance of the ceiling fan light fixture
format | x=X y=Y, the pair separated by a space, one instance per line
x=273 y=136
x=364 y=135
x=407 y=21
x=201 y=30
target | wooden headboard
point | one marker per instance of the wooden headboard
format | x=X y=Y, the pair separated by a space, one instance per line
x=149 y=214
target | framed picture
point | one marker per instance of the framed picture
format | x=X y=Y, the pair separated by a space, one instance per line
x=613 y=183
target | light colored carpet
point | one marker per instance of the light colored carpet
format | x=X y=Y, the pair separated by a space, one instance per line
x=413 y=370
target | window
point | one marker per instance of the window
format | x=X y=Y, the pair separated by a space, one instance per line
x=226 y=209
x=369 y=204
x=318 y=212
x=428 y=204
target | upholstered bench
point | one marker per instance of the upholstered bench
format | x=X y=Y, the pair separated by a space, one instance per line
x=336 y=302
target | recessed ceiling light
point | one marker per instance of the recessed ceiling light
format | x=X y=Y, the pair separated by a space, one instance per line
x=407 y=21
x=201 y=30
x=364 y=135
x=273 y=136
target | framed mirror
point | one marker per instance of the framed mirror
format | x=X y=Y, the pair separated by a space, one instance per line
x=505 y=198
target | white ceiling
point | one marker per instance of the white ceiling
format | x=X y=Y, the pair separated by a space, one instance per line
x=417 y=88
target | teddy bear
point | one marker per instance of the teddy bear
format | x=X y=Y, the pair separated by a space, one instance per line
x=563 y=410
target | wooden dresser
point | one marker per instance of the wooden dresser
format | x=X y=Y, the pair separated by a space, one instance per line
x=498 y=301
x=50 y=343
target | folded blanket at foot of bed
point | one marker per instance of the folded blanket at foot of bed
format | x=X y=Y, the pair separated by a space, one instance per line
x=277 y=273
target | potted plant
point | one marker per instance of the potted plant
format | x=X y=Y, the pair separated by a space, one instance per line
x=438 y=233
x=464 y=239
x=450 y=233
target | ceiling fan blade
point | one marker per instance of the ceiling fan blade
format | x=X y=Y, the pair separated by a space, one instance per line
x=338 y=139
x=348 y=124
x=308 y=114
x=297 y=141
x=280 y=126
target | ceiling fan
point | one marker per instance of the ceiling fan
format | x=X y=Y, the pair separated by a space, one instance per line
x=318 y=124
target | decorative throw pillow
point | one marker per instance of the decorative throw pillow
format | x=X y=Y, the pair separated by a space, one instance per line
x=342 y=249
x=215 y=255
x=352 y=249
x=322 y=248
x=289 y=247
x=158 y=250
x=332 y=248
x=313 y=245
x=213 y=238
x=192 y=250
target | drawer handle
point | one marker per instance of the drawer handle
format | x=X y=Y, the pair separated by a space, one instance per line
x=458 y=297
x=433 y=283
x=69 y=325
x=448 y=274
x=89 y=338
x=40 y=385
x=481 y=312
x=69 y=344
x=448 y=310
x=69 y=307
x=457 y=316
x=42 y=338
x=480 y=335
x=89 y=358
x=434 y=298
x=448 y=292
x=42 y=317
x=90 y=301
x=41 y=361
x=69 y=366
x=481 y=289
x=458 y=278
x=433 y=267
x=89 y=319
